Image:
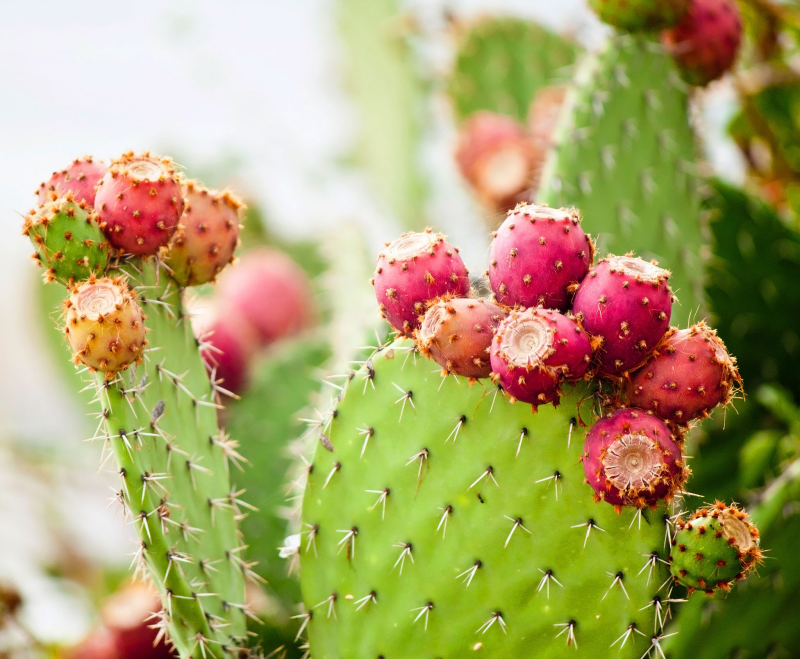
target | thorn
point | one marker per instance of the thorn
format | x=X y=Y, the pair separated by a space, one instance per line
x=423 y=611
x=381 y=500
x=489 y=471
x=361 y=603
x=367 y=432
x=407 y=396
x=454 y=433
x=618 y=577
x=545 y=581
x=406 y=547
x=469 y=573
x=631 y=629
x=517 y=524
x=569 y=630
x=349 y=541
x=448 y=510
x=555 y=478
x=589 y=526
x=336 y=467
x=496 y=617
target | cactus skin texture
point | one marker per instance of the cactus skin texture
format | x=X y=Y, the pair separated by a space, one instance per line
x=80 y=178
x=638 y=15
x=625 y=304
x=689 y=375
x=624 y=154
x=68 y=241
x=534 y=351
x=416 y=268
x=502 y=62
x=105 y=325
x=446 y=536
x=706 y=41
x=139 y=202
x=631 y=458
x=207 y=236
x=457 y=333
x=714 y=548
x=537 y=255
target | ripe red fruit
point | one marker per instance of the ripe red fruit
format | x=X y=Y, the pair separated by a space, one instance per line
x=80 y=178
x=270 y=292
x=706 y=41
x=413 y=270
x=535 y=351
x=497 y=157
x=689 y=374
x=633 y=459
x=139 y=201
x=625 y=304
x=229 y=345
x=457 y=333
x=538 y=254
x=127 y=614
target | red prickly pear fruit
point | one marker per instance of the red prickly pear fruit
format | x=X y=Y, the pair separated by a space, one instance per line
x=496 y=156
x=270 y=292
x=80 y=178
x=640 y=15
x=457 y=333
x=207 y=235
x=413 y=270
x=706 y=41
x=228 y=345
x=139 y=202
x=543 y=115
x=534 y=351
x=538 y=256
x=689 y=374
x=104 y=325
x=100 y=644
x=631 y=458
x=127 y=614
x=624 y=303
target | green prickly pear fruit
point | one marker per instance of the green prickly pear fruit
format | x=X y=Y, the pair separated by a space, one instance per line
x=442 y=520
x=640 y=15
x=714 y=548
x=69 y=242
x=105 y=325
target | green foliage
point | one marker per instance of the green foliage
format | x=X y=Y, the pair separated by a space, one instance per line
x=423 y=521
x=502 y=62
x=625 y=156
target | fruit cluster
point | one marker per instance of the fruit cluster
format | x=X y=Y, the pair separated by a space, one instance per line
x=92 y=217
x=555 y=319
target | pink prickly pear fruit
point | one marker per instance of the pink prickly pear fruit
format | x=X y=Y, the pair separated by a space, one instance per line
x=631 y=458
x=207 y=235
x=104 y=325
x=128 y=616
x=80 y=178
x=100 y=644
x=539 y=255
x=543 y=116
x=706 y=41
x=228 y=345
x=270 y=292
x=457 y=334
x=496 y=156
x=139 y=202
x=413 y=270
x=535 y=351
x=624 y=303
x=689 y=374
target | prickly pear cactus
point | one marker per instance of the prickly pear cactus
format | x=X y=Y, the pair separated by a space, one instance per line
x=440 y=519
x=625 y=155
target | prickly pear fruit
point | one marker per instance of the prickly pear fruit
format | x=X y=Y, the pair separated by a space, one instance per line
x=625 y=303
x=689 y=374
x=536 y=350
x=714 y=548
x=68 y=240
x=639 y=15
x=537 y=255
x=127 y=614
x=207 y=235
x=413 y=270
x=457 y=333
x=229 y=344
x=496 y=156
x=633 y=459
x=706 y=41
x=139 y=202
x=104 y=325
x=80 y=178
x=270 y=292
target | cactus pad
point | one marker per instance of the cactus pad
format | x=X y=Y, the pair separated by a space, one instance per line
x=440 y=519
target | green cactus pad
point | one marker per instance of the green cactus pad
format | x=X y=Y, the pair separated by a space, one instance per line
x=714 y=548
x=636 y=15
x=435 y=526
x=502 y=62
x=68 y=240
x=625 y=155
x=160 y=422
